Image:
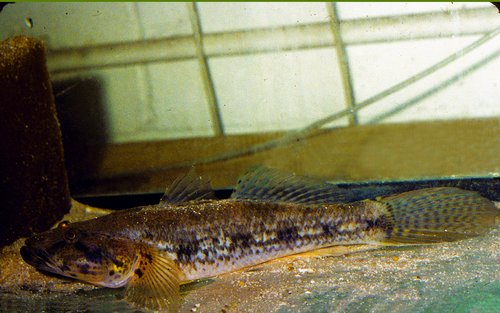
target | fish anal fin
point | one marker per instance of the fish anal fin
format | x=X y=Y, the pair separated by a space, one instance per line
x=265 y=184
x=330 y=251
x=338 y=250
x=189 y=187
x=155 y=282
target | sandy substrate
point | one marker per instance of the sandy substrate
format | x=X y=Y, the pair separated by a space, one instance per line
x=451 y=277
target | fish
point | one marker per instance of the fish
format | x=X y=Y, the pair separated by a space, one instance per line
x=191 y=235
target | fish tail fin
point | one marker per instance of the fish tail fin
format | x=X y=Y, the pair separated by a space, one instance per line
x=436 y=215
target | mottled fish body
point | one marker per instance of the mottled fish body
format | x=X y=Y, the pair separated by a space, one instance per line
x=189 y=235
x=211 y=237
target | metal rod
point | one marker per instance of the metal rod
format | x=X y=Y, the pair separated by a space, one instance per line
x=208 y=84
x=417 y=99
x=407 y=82
x=149 y=117
x=343 y=62
x=293 y=136
x=316 y=127
x=295 y=37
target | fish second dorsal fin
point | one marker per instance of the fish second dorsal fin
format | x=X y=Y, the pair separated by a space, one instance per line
x=155 y=283
x=265 y=184
x=188 y=187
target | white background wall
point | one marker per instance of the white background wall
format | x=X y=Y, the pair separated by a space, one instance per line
x=258 y=92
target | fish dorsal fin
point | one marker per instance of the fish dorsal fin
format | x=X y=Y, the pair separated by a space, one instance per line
x=265 y=184
x=155 y=282
x=188 y=187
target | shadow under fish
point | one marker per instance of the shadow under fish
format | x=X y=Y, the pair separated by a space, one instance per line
x=190 y=235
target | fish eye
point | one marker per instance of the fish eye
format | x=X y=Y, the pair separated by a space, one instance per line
x=70 y=235
x=63 y=225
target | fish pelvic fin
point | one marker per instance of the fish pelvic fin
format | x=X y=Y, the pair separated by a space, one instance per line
x=437 y=215
x=155 y=282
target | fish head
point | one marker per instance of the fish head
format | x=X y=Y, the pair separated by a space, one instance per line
x=91 y=256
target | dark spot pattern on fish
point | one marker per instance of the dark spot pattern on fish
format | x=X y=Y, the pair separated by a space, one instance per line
x=93 y=254
x=273 y=233
x=242 y=240
x=328 y=230
x=116 y=262
x=139 y=272
x=185 y=251
x=288 y=234
x=84 y=268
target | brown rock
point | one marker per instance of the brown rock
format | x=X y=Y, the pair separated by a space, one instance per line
x=33 y=184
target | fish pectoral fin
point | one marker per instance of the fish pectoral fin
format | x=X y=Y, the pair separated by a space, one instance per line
x=338 y=250
x=155 y=282
x=189 y=187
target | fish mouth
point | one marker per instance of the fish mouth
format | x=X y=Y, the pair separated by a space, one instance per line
x=39 y=259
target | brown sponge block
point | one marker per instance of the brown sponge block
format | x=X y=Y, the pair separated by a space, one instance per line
x=33 y=183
